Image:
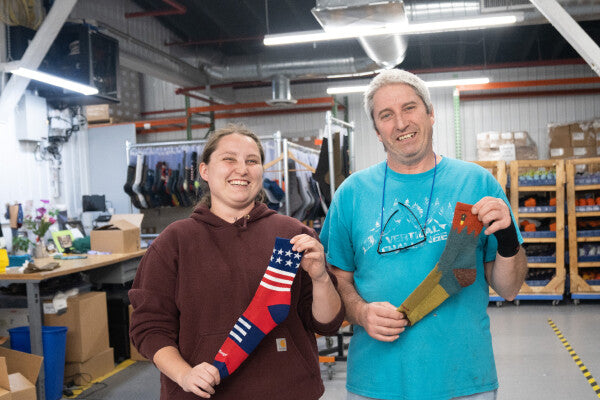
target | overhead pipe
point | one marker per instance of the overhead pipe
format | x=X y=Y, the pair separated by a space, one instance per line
x=517 y=84
x=177 y=9
x=522 y=84
x=537 y=93
x=262 y=104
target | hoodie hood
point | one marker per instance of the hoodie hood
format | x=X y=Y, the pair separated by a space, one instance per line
x=203 y=214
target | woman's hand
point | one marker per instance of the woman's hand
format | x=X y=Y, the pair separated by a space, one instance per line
x=200 y=380
x=313 y=260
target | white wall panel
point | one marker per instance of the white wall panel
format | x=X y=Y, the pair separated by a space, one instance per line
x=27 y=179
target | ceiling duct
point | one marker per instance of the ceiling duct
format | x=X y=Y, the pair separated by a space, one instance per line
x=281 y=95
x=386 y=50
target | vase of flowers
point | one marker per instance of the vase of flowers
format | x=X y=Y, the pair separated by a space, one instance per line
x=39 y=225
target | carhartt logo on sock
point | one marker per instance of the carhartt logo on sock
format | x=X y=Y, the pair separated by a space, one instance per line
x=269 y=307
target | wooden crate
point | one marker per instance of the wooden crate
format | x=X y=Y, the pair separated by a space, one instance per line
x=579 y=287
x=498 y=169
x=556 y=286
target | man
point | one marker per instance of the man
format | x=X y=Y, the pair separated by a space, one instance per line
x=387 y=229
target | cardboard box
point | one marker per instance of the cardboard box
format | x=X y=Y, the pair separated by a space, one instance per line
x=506 y=138
x=582 y=135
x=18 y=374
x=522 y=139
x=97 y=113
x=134 y=353
x=560 y=136
x=584 y=152
x=83 y=373
x=561 y=152
x=121 y=235
x=527 y=152
x=87 y=321
x=573 y=152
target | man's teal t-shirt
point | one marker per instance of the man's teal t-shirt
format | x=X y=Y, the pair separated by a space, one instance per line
x=449 y=352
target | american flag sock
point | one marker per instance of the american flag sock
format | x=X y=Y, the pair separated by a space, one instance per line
x=268 y=308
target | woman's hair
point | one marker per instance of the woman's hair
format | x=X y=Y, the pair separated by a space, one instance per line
x=211 y=146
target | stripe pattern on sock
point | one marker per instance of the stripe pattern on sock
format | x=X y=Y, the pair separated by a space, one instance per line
x=268 y=308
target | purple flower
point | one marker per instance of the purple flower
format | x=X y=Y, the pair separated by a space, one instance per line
x=45 y=201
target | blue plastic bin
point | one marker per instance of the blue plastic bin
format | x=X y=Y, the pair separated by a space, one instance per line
x=54 y=339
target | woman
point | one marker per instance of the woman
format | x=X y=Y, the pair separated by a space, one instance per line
x=201 y=274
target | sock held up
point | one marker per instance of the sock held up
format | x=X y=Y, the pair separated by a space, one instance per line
x=456 y=268
x=269 y=307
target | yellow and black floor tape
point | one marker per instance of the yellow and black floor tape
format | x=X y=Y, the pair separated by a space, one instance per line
x=576 y=358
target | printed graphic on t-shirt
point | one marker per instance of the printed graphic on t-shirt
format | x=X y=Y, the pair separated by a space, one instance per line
x=404 y=224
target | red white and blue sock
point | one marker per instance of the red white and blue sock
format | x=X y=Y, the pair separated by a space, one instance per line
x=269 y=307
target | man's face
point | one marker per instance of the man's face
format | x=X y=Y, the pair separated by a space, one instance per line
x=402 y=124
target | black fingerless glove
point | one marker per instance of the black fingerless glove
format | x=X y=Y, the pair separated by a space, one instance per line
x=508 y=241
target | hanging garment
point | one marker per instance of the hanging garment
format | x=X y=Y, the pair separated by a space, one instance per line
x=128 y=187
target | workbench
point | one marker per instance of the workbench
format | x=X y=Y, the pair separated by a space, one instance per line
x=34 y=303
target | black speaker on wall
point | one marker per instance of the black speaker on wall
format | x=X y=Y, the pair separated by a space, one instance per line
x=80 y=53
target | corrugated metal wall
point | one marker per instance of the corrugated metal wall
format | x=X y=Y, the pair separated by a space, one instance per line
x=531 y=114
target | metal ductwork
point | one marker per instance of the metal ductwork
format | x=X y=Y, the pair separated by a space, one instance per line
x=319 y=62
x=281 y=92
x=324 y=59
x=388 y=50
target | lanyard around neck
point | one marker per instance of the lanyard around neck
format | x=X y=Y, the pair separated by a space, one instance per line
x=430 y=195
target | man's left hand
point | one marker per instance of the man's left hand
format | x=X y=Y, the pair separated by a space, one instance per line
x=493 y=213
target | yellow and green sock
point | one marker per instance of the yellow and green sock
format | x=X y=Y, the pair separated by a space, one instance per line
x=456 y=268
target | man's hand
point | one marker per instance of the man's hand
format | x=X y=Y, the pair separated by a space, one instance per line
x=382 y=321
x=493 y=213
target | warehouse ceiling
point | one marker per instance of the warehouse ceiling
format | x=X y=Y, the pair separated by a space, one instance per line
x=234 y=29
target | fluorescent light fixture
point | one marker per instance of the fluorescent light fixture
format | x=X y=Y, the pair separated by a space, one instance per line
x=55 y=81
x=405 y=29
x=346 y=89
x=458 y=82
x=431 y=84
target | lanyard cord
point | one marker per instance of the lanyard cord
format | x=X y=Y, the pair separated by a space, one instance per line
x=430 y=195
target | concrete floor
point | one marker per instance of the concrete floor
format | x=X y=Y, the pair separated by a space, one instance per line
x=532 y=362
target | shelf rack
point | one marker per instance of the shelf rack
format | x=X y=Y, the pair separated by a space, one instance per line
x=498 y=169
x=581 y=288
x=554 y=289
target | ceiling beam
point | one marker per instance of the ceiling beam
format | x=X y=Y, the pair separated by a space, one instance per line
x=35 y=53
x=571 y=31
